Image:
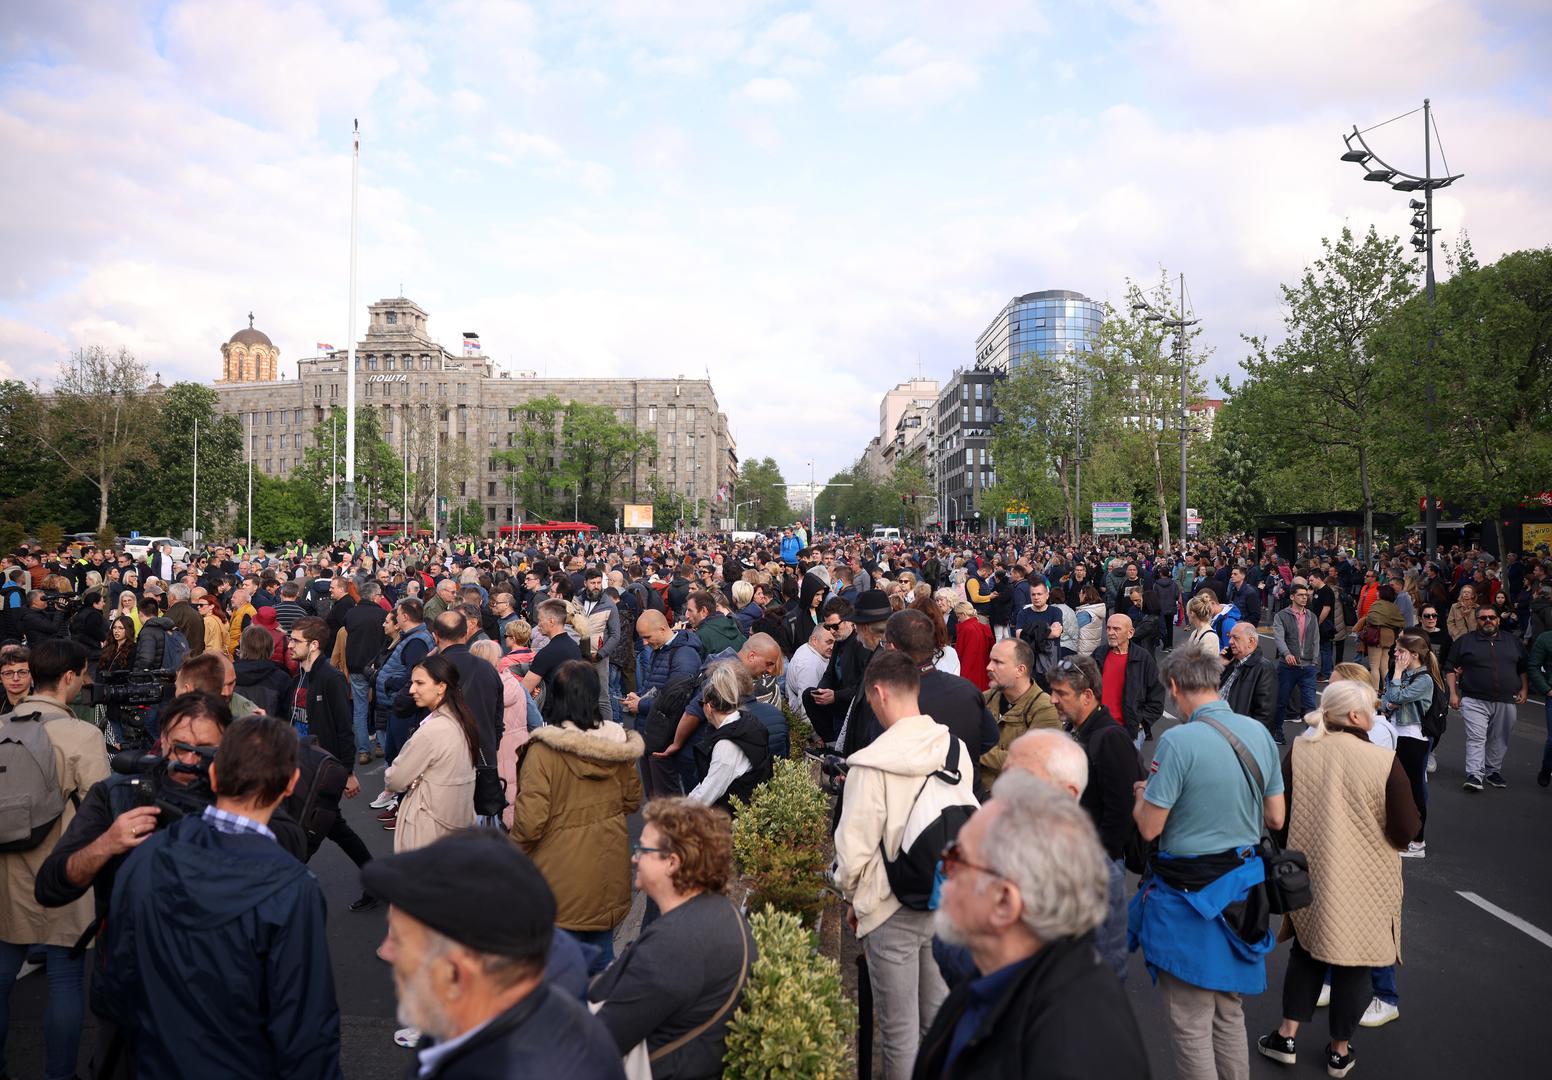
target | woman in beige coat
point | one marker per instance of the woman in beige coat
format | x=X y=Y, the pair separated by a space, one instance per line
x=1350 y=811
x=435 y=768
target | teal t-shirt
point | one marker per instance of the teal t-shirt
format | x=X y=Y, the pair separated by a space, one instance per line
x=1196 y=776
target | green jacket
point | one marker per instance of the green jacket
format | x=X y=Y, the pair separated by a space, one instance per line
x=1540 y=664
x=719 y=632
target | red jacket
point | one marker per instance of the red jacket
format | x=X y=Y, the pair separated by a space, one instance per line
x=973 y=643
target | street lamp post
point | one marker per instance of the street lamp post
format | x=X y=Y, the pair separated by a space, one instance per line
x=1178 y=325
x=1422 y=242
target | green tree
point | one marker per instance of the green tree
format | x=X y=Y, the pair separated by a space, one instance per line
x=760 y=485
x=466 y=520
x=1485 y=348
x=1318 y=387
x=597 y=452
x=159 y=499
x=379 y=471
x=100 y=422
x=286 y=508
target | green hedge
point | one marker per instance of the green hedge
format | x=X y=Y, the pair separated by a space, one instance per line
x=780 y=840
x=794 y=1021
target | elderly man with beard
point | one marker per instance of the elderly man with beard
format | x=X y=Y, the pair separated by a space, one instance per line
x=1025 y=887
x=469 y=932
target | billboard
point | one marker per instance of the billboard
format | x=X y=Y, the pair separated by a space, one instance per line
x=638 y=515
x=1112 y=519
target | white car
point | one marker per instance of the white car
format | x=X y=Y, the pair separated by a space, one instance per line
x=138 y=547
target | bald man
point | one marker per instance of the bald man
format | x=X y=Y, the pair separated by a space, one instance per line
x=761 y=657
x=1059 y=760
x=1129 y=686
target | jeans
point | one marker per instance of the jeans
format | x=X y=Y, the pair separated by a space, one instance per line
x=1546 y=753
x=616 y=691
x=1287 y=678
x=598 y=947
x=1327 y=657
x=1383 y=982
x=605 y=706
x=907 y=987
x=63 y=1015
x=361 y=712
x=1206 y=1031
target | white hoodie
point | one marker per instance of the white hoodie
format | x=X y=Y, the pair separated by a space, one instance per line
x=885 y=778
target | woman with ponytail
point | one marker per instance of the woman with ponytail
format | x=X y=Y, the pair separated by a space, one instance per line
x=1414 y=684
x=435 y=769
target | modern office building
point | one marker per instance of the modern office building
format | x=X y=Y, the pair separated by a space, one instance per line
x=964 y=415
x=422 y=389
x=1050 y=322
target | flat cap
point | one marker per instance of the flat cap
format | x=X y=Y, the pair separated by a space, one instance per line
x=474 y=886
x=872 y=607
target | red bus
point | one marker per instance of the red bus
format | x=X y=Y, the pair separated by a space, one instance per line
x=533 y=527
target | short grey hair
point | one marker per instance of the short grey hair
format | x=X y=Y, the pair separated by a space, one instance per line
x=180 y=593
x=1044 y=843
x=1191 y=670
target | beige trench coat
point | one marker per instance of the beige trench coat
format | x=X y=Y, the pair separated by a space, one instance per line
x=437 y=776
x=80 y=760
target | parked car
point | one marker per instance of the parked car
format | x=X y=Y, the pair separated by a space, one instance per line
x=137 y=547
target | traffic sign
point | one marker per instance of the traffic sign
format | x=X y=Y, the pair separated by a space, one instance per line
x=1020 y=521
x=134 y=534
x=1112 y=519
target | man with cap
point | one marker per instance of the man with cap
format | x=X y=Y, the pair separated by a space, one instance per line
x=469 y=932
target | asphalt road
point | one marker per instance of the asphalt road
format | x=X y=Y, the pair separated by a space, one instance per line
x=1476 y=981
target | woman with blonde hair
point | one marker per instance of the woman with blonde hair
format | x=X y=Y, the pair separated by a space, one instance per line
x=1350 y=810
x=129 y=608
x=1200 y=612
x=973 y=643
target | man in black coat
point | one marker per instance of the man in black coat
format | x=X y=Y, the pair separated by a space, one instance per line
x=1249 y=680
x=477 y=679
x=1142 y=693
x=364 y=639
x=218 y=885
x=1113 y=764
x=1042 y=1004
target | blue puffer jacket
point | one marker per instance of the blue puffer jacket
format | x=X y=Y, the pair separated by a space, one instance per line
x=682 y=655
x=790 y=546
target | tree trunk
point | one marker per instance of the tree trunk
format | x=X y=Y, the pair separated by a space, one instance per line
x=102 y=502
x=1068 y=507
x=1158 y=492
x=1368 y=505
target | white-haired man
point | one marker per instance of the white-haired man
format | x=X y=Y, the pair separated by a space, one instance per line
x=1026 y=886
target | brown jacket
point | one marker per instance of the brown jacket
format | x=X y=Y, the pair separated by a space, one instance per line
x=1033 y=710
x=574 y=791
x=1350 y=810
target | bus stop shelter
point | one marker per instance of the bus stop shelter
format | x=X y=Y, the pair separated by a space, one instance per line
x=1280 y=534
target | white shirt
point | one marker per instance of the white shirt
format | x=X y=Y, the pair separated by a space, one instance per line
x=947 y=660
x=728 y=763
x=804 y=671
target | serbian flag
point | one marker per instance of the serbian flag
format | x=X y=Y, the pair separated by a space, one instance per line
x=324 y=346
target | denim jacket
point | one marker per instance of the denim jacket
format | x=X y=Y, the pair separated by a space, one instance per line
x=1407 y=698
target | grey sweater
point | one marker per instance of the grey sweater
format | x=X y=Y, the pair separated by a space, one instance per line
x=673 y=978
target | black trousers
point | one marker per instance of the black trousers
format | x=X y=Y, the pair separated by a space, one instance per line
x=1351 y=992
x=352 y=845
x=1413 y=755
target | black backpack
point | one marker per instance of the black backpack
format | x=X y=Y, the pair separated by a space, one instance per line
x=1349 y=609
x=933 y=820
x=1436 y=719
x=316 y=801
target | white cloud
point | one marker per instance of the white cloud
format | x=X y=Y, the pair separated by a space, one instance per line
x=910 y=75
x=768 y=91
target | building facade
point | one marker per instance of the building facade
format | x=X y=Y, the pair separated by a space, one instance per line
x=964 y=414
x=425 y=392
x=249 y=356
x=1047 y=323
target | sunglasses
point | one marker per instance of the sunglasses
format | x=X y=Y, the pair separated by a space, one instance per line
x=953 y=860
x=1487 y=618
x=1430 y=615
x=836 y=625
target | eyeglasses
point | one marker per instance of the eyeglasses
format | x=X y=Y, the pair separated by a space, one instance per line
x=641 y=849
x=953 y=858
x=297 y=640
x=16 y=673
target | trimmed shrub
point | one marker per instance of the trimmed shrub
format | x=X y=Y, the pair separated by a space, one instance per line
x=800 y=733
x=794 y=1021
x=780 y=840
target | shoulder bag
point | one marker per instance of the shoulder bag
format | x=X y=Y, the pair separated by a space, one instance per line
x=637 y=1061
x=1287 y=872
x=490 y=790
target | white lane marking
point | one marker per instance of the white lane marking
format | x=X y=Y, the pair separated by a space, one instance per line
x=1508 y=917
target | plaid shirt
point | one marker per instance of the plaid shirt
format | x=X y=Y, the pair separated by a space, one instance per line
x=235 y=824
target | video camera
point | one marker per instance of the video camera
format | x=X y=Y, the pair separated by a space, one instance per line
x=832 y=770
x=66 y=604
x=131 y=687
x=149 y=783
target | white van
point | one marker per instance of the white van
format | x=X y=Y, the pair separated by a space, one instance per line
x=881 y=533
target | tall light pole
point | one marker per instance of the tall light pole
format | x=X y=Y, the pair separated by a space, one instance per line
x=352 y=525
x=1376 y=170
x=196 y=479
x=1178 y=324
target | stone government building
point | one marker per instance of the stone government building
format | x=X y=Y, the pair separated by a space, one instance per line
x=401 y=370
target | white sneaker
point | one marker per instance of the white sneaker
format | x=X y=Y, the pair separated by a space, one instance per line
x=1417 y=849
x=384 y=801
x=1325 y=996
x=1379 y=1013
x=1433 y=764
x=409 y=1037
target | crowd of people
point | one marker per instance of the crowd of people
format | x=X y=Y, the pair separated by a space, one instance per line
x=989 y=706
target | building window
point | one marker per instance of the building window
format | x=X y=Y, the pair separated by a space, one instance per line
x=492 y=440
x=369 y=388
x=391 y=318
x=269 y=465
x=269 y=417
x=490 y=488
x=296 y=416
x=371 y=363
x=388 y=364
x=511 y=416
x=425 y=363
x=490 y=513
x=979 y=387
x=463 y=389
x=334 y=390
x=652 y=414
x=964 y=414
x=282 y=442
x=441 y=389
x=463 y=487
x=317 y=390
x=978 y=414
x=964 y=391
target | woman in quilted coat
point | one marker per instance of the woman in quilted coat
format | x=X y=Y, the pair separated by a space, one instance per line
x=1350 y=811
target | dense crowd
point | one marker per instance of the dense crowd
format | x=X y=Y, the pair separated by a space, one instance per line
x=177 y=739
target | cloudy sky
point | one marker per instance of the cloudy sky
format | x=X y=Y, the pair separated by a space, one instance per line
x=809 y=201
